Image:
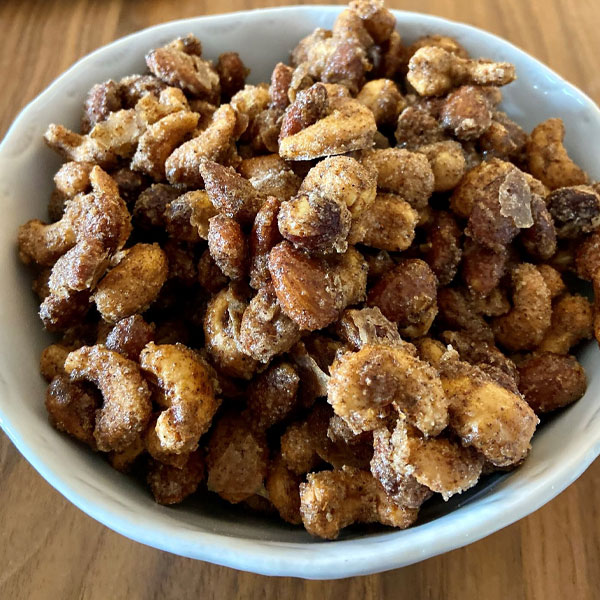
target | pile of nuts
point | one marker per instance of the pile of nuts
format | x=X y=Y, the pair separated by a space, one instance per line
x=328 y=297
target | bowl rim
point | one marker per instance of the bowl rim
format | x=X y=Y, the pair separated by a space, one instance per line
x=317 y=559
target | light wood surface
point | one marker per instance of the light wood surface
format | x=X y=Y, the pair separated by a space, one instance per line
x=49 y=549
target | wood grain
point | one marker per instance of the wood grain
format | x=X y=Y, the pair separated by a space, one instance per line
x=49 y=549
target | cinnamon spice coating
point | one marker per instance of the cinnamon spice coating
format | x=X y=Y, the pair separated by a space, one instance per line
x=332 y=295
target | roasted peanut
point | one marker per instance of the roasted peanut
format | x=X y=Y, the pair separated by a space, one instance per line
x=236 y=460
x=129 y=336
x=388 y=224
x=418 y=127
x=467 y=112
x=230 y=193
x=482 y=267
x=550 y=381
x=442 y=251
x=171 y=485
x=72 y=408
x=447 y=162
x=265 y=330
x=407 y=296
x=227 y=246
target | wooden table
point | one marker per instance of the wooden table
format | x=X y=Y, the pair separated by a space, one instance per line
x=49 y=549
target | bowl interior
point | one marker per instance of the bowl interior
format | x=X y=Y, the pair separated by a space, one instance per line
x=205 y=527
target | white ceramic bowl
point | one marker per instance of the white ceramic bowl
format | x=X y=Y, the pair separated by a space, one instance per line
x=206 y=529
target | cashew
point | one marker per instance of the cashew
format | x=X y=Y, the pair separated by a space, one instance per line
x=179 y=64
x=222 y=324
x=401 y=172
x=399 y=483
x=126 y=397
x=485 y=415
x=132 y=285
x=363 y=384
x=216 y=143
x=188 y=393
x=332 y=500
x=525 y=326
x=384 y=100
x=433 y=71
x=349 y=126
x=441 y=464
x=572 y=322
x=548 y=158
x=158 y=142
x=283 y=489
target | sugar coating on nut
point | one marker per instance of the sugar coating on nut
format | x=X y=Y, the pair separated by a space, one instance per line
x=364 y=257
